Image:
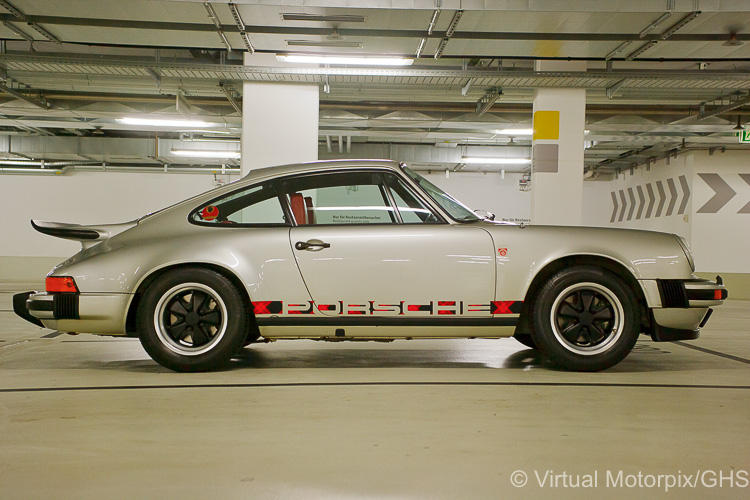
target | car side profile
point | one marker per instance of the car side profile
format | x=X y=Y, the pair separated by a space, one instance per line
x=365 y=250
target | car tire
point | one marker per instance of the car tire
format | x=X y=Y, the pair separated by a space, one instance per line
x=585 y=318
x=525 y=339
x=192 y=320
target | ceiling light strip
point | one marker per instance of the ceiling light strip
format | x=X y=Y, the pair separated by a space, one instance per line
x=161 y=122
x=338 y=18
x=345 y=60
x=195 y=153
x=496 y=161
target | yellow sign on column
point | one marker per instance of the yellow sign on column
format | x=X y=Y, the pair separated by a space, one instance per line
x=546 y=125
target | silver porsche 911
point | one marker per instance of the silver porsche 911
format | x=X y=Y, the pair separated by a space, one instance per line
x=365 y=250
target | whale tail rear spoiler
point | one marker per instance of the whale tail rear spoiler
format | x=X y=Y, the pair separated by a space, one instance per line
x=88 y=236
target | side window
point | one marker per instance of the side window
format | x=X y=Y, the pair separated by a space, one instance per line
x=258 y=204
x=411 y=208
x=339 y=198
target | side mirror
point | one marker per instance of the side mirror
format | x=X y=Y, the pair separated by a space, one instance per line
x=485 y=214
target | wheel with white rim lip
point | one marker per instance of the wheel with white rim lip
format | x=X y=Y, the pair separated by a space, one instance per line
x=585 y=319
x=192 y=320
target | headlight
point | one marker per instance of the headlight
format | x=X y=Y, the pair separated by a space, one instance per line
x=686 y=248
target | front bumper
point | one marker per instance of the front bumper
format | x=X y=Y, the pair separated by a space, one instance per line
x=97 y=313
x=685 y=306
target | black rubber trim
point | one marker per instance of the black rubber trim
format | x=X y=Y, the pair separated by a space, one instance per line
x=40 y=305
x=381 y=321
x=703 y=294
x=705 y=318
x=65 y=306
x=673 y=294
x=664 y=334
x=19 y=307
x=68 y=233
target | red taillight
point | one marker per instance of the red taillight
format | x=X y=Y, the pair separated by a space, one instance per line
x=60 y=284
x=717 y=295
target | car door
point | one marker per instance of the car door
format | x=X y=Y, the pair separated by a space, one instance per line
x=367 y=245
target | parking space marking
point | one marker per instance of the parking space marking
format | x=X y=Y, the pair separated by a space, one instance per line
x=715 y=353
x=374 y=384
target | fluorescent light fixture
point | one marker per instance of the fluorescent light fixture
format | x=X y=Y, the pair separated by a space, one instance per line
x=197 y=153
x=156 y=122
x=337 y=18
x=326 y=43
x=350 y=60
x=497 y=161
x=516 y=131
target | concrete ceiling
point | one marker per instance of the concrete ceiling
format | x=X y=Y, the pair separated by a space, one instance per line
x=662 y=76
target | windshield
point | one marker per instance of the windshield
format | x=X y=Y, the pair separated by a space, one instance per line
x=457 y=210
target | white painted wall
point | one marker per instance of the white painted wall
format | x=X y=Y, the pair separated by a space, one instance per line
x=488 y=192
x=720 y=241
x=83 y=198
x=598 y=206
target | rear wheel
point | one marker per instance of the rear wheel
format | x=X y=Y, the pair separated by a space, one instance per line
x=192 y=320
x=585 y=319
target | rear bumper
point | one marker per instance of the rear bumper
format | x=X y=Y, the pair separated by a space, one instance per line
x=685 y=308
x=74 y=312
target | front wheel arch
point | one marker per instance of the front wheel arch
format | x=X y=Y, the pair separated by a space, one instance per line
x=555 y=266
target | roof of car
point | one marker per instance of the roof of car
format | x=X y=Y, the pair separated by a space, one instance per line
x=260 y=173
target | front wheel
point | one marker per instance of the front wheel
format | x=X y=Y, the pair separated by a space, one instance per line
x=192 y=320
x=585 y=319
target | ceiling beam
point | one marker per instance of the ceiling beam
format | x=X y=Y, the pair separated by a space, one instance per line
x=355 y=32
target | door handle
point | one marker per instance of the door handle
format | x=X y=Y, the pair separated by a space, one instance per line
x=311 y=245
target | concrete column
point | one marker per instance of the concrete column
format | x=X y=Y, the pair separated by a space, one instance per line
x=279 y=120
x=557 y=150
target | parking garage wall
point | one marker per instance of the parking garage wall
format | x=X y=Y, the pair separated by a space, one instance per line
x=487 y=191
x=706 y=199
x=82 y=198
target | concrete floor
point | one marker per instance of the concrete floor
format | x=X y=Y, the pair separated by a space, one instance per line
x=87 y=417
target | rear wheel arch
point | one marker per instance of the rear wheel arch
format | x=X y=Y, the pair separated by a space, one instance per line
x=154 y=275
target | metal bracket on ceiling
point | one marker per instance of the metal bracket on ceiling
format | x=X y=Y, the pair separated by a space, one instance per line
x=232 y=96
x=241 y=25
x=725 y=104
x=215 y=19
x=155 y=76
x=663 y=36
x=183 y=106
x=39 y=102
x=449 y=33
x=488 y=99
x=611 y=91
x=18 y=31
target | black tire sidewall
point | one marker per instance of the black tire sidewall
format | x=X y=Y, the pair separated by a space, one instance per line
x=544 y=337
x=220 y=354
